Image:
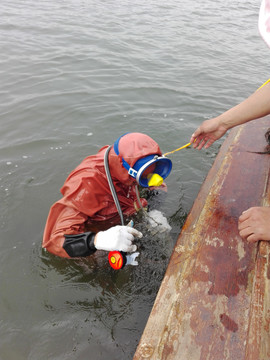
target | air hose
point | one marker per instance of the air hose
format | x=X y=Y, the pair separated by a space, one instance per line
x=114 y=195
x=117 y=259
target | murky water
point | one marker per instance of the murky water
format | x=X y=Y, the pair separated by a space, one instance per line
x=74 y=76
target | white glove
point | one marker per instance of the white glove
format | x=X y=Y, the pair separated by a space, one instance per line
x=117 y=238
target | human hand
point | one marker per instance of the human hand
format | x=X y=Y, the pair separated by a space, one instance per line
x=206 y=134
x=254 y=224
x=117 y=238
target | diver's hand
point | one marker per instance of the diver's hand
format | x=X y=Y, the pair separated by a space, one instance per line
x=206 y=134
x=117 y=238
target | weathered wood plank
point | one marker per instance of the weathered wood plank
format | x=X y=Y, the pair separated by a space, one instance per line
x=214 y=300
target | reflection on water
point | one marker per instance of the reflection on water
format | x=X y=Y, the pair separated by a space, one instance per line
x=74 y=76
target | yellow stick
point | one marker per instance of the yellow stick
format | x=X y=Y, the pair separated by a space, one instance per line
x=264 y=84
x=182 y=147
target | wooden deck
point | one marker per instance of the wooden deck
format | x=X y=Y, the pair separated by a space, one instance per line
x=214 y=300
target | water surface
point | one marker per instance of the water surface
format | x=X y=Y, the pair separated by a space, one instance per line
x=74 y=76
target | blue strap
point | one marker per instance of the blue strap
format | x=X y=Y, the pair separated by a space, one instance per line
x=130 y=170
x=116 y=144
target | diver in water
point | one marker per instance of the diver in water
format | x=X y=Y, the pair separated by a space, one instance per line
x=254 y=223
x=101 y=189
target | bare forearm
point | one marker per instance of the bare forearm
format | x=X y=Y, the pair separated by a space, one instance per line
x=254 y=107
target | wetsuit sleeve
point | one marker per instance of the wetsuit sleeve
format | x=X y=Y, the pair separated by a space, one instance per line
x=80 y=244
x=65 y=233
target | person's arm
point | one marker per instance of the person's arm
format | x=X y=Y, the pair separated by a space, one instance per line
x=65 y=235
x=254 y=107
x=116 y=238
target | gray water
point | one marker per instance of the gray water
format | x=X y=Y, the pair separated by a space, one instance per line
x=74 y=76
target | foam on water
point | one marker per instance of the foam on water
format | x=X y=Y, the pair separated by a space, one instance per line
x=158 y=221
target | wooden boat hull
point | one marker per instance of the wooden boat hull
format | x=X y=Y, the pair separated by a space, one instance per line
x=214 y=300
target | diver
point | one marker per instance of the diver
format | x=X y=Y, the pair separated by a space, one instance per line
x=101 y=193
